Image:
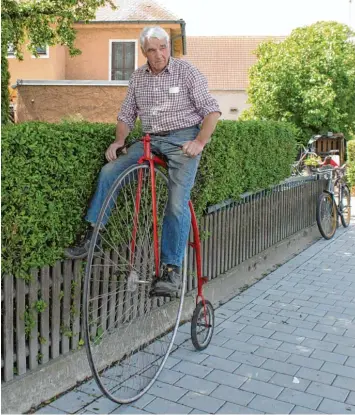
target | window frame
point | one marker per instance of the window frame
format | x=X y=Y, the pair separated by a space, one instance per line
x=111 y=41
x=11 y=56
x=42 y=56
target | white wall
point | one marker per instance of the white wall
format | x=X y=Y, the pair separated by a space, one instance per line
x=229 y=100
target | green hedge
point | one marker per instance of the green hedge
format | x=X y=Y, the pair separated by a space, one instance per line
x=50 y=170
x=351 y=162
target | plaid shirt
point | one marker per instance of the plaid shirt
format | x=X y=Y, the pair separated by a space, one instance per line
x=176 y=98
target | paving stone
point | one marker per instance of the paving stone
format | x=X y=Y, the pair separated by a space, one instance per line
x=192 y=369
x=222 y=364
x=72 y=401
x=226 y=393
x=311 y=334
x=224 y=313
x=264 y=309
x=284 y=328
x=166 y=375
x=240 y=346
x=251 y=321
x=338 y=369
x=163 y=406
x=329 y=406
x=262 y=388
x=217 y=351
x=247 y=313
x=326 y=391
x=293 y=382
x=198 y=412
x=232 y=305
x=166 y=391
x=225 y=378
x=316 y=375
x=329 y=329
x=49 y=410
x=329 y=356
x=300 y=398
x=247 y=358
x=350 y=362
x=351 y=398
x=280 y=367
x=289 y=338
x=274 y=318
x=203 y=402
x=254 y=372
x=302 y=410
x=257 y=331
x=232 y=334
x=346 y=383
x=292 y=314
x=270 y=354
x=296 y=348
x=196 y=384
x=102 y=406
x=262 y=341
x=231 y=408
x=301 y=323
x=144 y=400
x=305 y=361
x=319 y=344
x=127 y=409
x=191 y=356
x=270 y=406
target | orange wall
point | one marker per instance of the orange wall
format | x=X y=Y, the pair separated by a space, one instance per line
x=94 y=42
x=38 y=68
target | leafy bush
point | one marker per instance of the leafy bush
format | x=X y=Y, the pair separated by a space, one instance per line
x=307 y=79
x=50 y=171
x=351 y=162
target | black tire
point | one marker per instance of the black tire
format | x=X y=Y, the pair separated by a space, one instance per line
x=206 y=327
x=345 y=205
x=326 y=215
x=121 y=319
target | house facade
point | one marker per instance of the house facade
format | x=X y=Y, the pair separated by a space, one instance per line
x=92 y=85
x=225 y=61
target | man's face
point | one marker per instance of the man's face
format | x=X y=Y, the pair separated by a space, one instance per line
x=157 y=52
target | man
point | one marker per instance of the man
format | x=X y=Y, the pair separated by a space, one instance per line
x=171 y=98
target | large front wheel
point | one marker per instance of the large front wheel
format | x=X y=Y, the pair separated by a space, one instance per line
x=326 y=215
x=122 y=320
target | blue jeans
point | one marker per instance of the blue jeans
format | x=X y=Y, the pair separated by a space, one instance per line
x=182 y=172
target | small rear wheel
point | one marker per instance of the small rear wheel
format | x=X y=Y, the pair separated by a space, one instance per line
x=326 y=215
x=344 y=204
x=202 y=325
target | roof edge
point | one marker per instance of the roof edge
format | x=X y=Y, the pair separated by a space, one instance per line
x=64 y=82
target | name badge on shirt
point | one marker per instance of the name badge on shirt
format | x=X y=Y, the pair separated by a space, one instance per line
x=174 y=90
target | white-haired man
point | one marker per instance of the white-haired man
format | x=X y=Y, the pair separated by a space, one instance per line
x=171 y=98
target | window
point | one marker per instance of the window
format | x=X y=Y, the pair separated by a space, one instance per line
x=10 y=51
x=43 y=52
x=122 y=59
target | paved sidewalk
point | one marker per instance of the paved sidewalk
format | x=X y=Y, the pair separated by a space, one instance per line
x=285 y=345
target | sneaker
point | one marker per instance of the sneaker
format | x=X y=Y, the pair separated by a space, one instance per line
x=81 y=250
x=169 y=282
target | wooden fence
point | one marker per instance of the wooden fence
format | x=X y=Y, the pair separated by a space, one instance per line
x=42 y=319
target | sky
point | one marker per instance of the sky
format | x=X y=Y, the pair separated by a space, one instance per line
x=257 y=17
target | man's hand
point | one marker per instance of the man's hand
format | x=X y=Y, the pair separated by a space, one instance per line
x=193 y=148
x=111 y=154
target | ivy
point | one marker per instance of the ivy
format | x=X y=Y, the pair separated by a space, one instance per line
x=50 y=173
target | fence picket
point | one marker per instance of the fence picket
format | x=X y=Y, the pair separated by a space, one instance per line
x=65 y=323
x=7 y=327
x=33 y=336
x=20 y=327
x=55 y=305
x=77 y=278
x=44 y=316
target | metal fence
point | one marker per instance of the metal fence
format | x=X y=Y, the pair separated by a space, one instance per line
x=42 y=319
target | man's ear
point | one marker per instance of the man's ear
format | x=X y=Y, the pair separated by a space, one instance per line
x=144 y=54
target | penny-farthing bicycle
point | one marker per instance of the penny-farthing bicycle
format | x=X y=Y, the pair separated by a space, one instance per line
x=129 y=332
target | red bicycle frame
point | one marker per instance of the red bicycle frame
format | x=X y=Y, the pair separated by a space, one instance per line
x=152 y=160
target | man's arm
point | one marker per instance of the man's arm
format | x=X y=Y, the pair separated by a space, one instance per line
x=194 y=148
x=125 y=122
x=207 y=106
